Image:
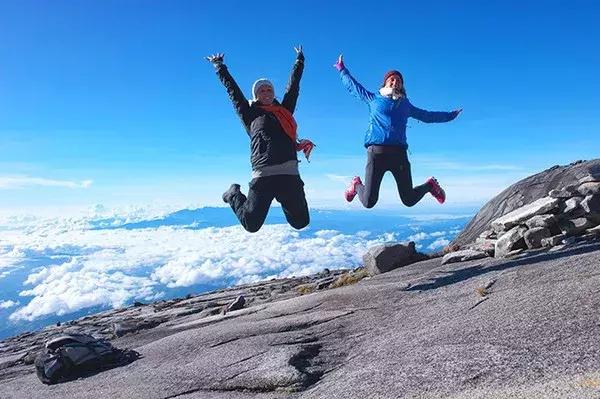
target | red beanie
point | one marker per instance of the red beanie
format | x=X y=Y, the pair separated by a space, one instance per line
x=391 y=73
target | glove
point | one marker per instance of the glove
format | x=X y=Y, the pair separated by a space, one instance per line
x=306 y=146
x=339 y=64
x=216 y=59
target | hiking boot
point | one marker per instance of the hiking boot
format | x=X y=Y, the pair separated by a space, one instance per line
x=438 y=193
x=233 y=190
x=350 y=192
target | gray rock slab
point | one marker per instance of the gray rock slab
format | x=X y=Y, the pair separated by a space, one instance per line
x=589 y=188
x=533 y=237
x=591 y=203
x=237 y=304
x=538 y=207
x=483 y=245
x=553 y=241
x=571 y=227
x=572 y=204
x=511 y=240
x=463 y=255
x=489 y=233
x=565 y=192
x=541 y=221
x=420 y=331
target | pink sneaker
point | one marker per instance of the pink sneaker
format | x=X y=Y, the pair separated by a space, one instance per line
x=438 y=193
x=351 y=190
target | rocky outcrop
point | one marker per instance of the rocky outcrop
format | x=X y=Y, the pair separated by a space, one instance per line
x=559 y=181
x=562 y=215
x=526 y=228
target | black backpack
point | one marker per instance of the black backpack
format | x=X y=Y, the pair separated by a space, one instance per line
x=70 y=356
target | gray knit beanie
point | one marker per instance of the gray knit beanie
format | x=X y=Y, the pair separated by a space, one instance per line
x=261 y=82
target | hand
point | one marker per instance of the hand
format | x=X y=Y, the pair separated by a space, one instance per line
x=215 y=59
x=299 y=53
x=457 y=112
x=339 y=65
x=306 y=146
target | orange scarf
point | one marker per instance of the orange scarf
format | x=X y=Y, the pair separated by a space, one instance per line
x=285 y=118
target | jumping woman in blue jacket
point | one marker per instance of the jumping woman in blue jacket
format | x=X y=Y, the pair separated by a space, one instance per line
x=385 y=139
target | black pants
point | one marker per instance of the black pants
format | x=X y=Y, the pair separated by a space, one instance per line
x=288 y=190
x=380 y=159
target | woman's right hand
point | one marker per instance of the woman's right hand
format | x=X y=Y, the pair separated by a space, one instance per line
x=339 y=64
x=215 y=59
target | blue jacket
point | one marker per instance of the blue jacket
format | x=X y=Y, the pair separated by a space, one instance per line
x=388 y=117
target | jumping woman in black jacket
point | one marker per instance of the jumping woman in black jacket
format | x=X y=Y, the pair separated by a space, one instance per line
x=273 y=145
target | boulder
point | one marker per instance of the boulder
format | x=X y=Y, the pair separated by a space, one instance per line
x=591 y=203
x=486 y=245
x=589 y=188
x=525 y=192
x=553 y=241
x=511 y=240
x=237 y=304
x=565 y=192
x=489 y=233
x=383 y=258
x=538 y=207
x=541 y=221
x=572 y=227
x=572 y=204
x=463 y=256
x=533 y=237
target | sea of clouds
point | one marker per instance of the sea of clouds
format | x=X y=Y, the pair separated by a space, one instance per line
x=60 y=265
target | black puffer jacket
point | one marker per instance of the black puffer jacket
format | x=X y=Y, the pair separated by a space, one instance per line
x=269 y=145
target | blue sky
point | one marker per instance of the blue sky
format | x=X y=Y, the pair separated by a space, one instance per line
x=112 y=103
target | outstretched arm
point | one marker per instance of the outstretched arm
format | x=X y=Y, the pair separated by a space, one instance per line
x=355 y=88
x=432 y=116
x=293 y=88
x=240 y=103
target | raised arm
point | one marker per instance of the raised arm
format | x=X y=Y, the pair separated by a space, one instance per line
x=431 y=116
x=239 y=101
x=355 y=88
x=293 y=87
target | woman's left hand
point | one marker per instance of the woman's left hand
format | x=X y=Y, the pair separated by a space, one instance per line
x=457 y=112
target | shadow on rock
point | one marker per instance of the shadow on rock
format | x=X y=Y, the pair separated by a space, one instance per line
x=478 y=270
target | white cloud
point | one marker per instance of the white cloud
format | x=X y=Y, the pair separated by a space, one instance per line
x=11 y=182
x=438 y=234
x=83 y=267
x=439 y=243
x=111 y=267
x=418 y=236
x=8 y=304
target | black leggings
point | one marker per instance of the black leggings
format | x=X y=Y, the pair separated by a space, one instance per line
x=288 y=190
x=380 y=159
